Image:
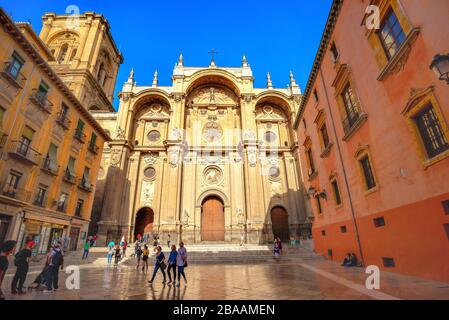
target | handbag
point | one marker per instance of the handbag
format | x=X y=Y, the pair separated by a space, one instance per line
x=163 y=265
x=185 y=264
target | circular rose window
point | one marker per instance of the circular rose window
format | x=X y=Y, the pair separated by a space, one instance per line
x=270 y=136
x=274 y=172
x=149 y=173
x=154 y=135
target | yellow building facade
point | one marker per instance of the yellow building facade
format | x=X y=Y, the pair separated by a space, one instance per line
x=208 y=159
x=51 y=146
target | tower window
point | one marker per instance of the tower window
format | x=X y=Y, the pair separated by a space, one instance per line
x=63 y=53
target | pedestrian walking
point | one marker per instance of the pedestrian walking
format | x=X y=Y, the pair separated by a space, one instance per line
x=138 y=254
x=22 y=260
x=110 y=254
x=277 y=248
x=168 y=240
x=111 y=245
x=124 y=246
x=159 y=264
x=145 y=257
x=181 y=261
x=95 y=240
x=6 y=249
x=55 y=260
x=87 y=246
x=117 y=254
x=172 y=265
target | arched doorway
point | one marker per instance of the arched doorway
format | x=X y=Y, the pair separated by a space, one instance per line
x=212 y=219
x=279 y=223
x=144 y=222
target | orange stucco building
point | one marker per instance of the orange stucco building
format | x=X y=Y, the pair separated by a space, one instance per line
x=374 y=138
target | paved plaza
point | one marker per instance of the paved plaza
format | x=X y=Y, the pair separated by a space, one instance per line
x=302 y=276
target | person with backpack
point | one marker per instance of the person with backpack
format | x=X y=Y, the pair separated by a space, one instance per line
x=55 y=260
x=87 y=246
x=22 y=260
x=6 y=249
x=146 y=255
x=138 y=254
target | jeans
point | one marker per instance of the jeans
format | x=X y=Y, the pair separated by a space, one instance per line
x=171 y=267
x=52 y=278
x=156 y=268
x=19 y=278
x=85 y=253
x=181 y=272
x=109 y=258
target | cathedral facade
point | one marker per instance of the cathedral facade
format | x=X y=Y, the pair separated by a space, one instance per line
x=208 y=159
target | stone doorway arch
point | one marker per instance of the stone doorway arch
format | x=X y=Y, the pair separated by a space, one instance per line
x=279 y=223
x=212 y=219
x=144 y=222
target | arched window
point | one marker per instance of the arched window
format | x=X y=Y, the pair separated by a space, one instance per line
x=72 y=56
x=63 y=52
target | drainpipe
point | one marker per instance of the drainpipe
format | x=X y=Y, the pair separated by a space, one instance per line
x=337 y=143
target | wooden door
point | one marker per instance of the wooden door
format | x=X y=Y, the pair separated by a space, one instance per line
x=212 y=221
x=279 y=221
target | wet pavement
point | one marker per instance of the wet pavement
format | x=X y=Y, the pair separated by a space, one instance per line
x=295 y=279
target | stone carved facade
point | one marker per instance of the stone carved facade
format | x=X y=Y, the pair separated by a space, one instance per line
x=205 y=136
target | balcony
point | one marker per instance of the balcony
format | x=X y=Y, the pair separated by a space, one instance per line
x=3 y=137
x=39 y=99
x=80 y=136
x=23 y=152
x=69 y=177
x=12 y=192
x=15 y=79
x=92 y=147
x=352 y=122
x=85 y=185
x=63 y=120
x=40 y=202
x=50 y=166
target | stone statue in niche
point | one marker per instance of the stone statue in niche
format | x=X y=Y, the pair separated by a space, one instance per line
x=212 y=96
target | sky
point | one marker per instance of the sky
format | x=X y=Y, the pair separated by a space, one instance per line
x=275 y=35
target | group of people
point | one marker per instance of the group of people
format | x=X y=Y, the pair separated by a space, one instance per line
x=48 y=278
x=277 y=247
x=116 y=251
x=350 y=260
x=175 y=264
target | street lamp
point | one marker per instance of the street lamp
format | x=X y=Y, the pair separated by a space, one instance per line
x=440 y=65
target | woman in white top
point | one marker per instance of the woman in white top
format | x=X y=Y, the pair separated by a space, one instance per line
x=181 y=261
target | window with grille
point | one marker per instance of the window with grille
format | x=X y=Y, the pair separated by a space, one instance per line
x=367 y=172
x=432 y=135
x=343 y=229
x=79 y=208
x=310 y=161
x=391 y=34
x=40 y=195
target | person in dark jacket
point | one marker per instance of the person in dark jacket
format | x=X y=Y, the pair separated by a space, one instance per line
x=55 y=260
x=22 y=260
x=159 y=265
x=172 y=265
x=6 y=249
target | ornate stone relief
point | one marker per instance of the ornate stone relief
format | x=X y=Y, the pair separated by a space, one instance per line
x=252 y=157
x=150 y=159
x=212 y=175
x=147 y=194
x=119 y=133
x=213 y=95
x=116 y=156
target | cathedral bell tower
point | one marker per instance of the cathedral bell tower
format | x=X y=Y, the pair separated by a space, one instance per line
x=85 y=56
